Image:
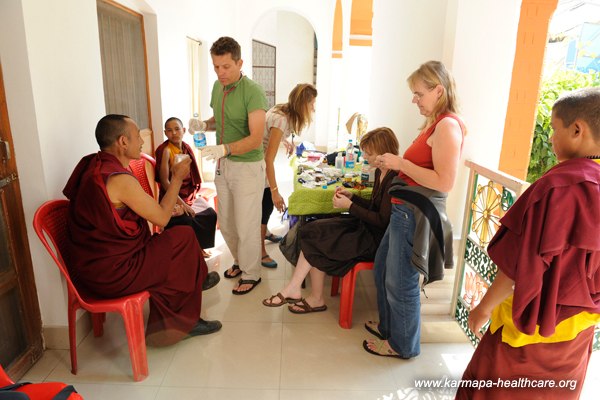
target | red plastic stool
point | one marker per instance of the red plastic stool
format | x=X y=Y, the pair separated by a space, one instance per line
x=347 y=295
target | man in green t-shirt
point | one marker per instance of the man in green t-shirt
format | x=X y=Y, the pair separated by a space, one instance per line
x=239 y=106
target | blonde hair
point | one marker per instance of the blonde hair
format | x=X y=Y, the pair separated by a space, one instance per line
x=297 y=109
x=433 y=73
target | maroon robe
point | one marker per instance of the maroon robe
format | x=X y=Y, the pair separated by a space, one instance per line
x=191 y=184
x=204 y=223
x=112 y=253
x=549 y=244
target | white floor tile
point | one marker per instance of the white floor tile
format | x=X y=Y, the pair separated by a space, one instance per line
x=241 y=355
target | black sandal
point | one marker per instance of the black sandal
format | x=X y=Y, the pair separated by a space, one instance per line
x=235 y=272
x=241 y=282
x=273 y=238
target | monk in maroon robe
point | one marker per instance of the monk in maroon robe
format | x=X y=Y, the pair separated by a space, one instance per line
x=545 y=300
x=204 y=222
x=112 y=252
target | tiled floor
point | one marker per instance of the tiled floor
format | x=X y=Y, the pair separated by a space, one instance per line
x=263 y=353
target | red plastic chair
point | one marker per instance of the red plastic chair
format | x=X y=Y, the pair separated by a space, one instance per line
x=50 y=224
x=37 y=391
x=143 y=170
x=347 y=295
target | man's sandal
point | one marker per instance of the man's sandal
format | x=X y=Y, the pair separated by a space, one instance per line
x=305 y=308
x=373 y=328
x=241 y=282
x=381 y=348
x=235 y=272
x=283 y=300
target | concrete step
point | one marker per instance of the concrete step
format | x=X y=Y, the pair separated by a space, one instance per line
x=437 y=322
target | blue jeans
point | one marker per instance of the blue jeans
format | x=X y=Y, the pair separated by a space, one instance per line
x=397 y=282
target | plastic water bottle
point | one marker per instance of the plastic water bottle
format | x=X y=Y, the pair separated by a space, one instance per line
x=339 y=161
x=365 y=174
x=200 y=136
x=350 y=155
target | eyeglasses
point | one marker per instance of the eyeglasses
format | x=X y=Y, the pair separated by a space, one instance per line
x=418 y=96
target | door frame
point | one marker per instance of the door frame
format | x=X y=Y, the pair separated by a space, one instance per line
x=19 y=244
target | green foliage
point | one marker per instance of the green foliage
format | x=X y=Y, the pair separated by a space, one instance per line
x=542 y=157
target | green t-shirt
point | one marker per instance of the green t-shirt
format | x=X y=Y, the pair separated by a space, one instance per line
x=239 y=99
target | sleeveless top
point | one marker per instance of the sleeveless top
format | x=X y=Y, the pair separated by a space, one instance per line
x=419 y=152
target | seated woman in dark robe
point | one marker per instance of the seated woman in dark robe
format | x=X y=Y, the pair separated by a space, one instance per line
x=111 y=250
x=332 y=246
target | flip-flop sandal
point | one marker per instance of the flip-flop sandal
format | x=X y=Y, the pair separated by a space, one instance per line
x=268 y=264
x=235 y=272
x=381 y=349
x=372 y=328
x=305 y=308
x=273 y=238
x=241 y=282
x=284 y=300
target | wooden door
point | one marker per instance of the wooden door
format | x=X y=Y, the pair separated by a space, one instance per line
x=20 y=322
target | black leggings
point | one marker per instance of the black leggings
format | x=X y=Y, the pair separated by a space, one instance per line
x=267 y=206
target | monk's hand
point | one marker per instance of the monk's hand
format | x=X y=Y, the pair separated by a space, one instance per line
x=213 y=152
x=188 y=210
x=181 y=169
x=177 y=211
x=478 y=317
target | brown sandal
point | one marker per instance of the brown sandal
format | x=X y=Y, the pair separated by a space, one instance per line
x=305 y=308
x=373 y=328
x=382 y=348
x=284 y=300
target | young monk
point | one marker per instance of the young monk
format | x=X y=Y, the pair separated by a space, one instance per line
x=111 y=251
x=203 y=222
x=545 y=300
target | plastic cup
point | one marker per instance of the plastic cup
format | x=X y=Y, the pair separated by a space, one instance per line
x=180 y=157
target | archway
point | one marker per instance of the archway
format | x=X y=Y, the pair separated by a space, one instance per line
x=284 y=54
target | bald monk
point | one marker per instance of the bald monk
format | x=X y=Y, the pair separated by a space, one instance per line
x=112 y=252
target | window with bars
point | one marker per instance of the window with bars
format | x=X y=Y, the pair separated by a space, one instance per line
x=264 y=63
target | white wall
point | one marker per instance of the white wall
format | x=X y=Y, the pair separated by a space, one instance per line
x=405 y=34
x=295 y=53
x=53 y=80
x=482 y=63
x=319 y=15
x=457 y=33
x=293 y=37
